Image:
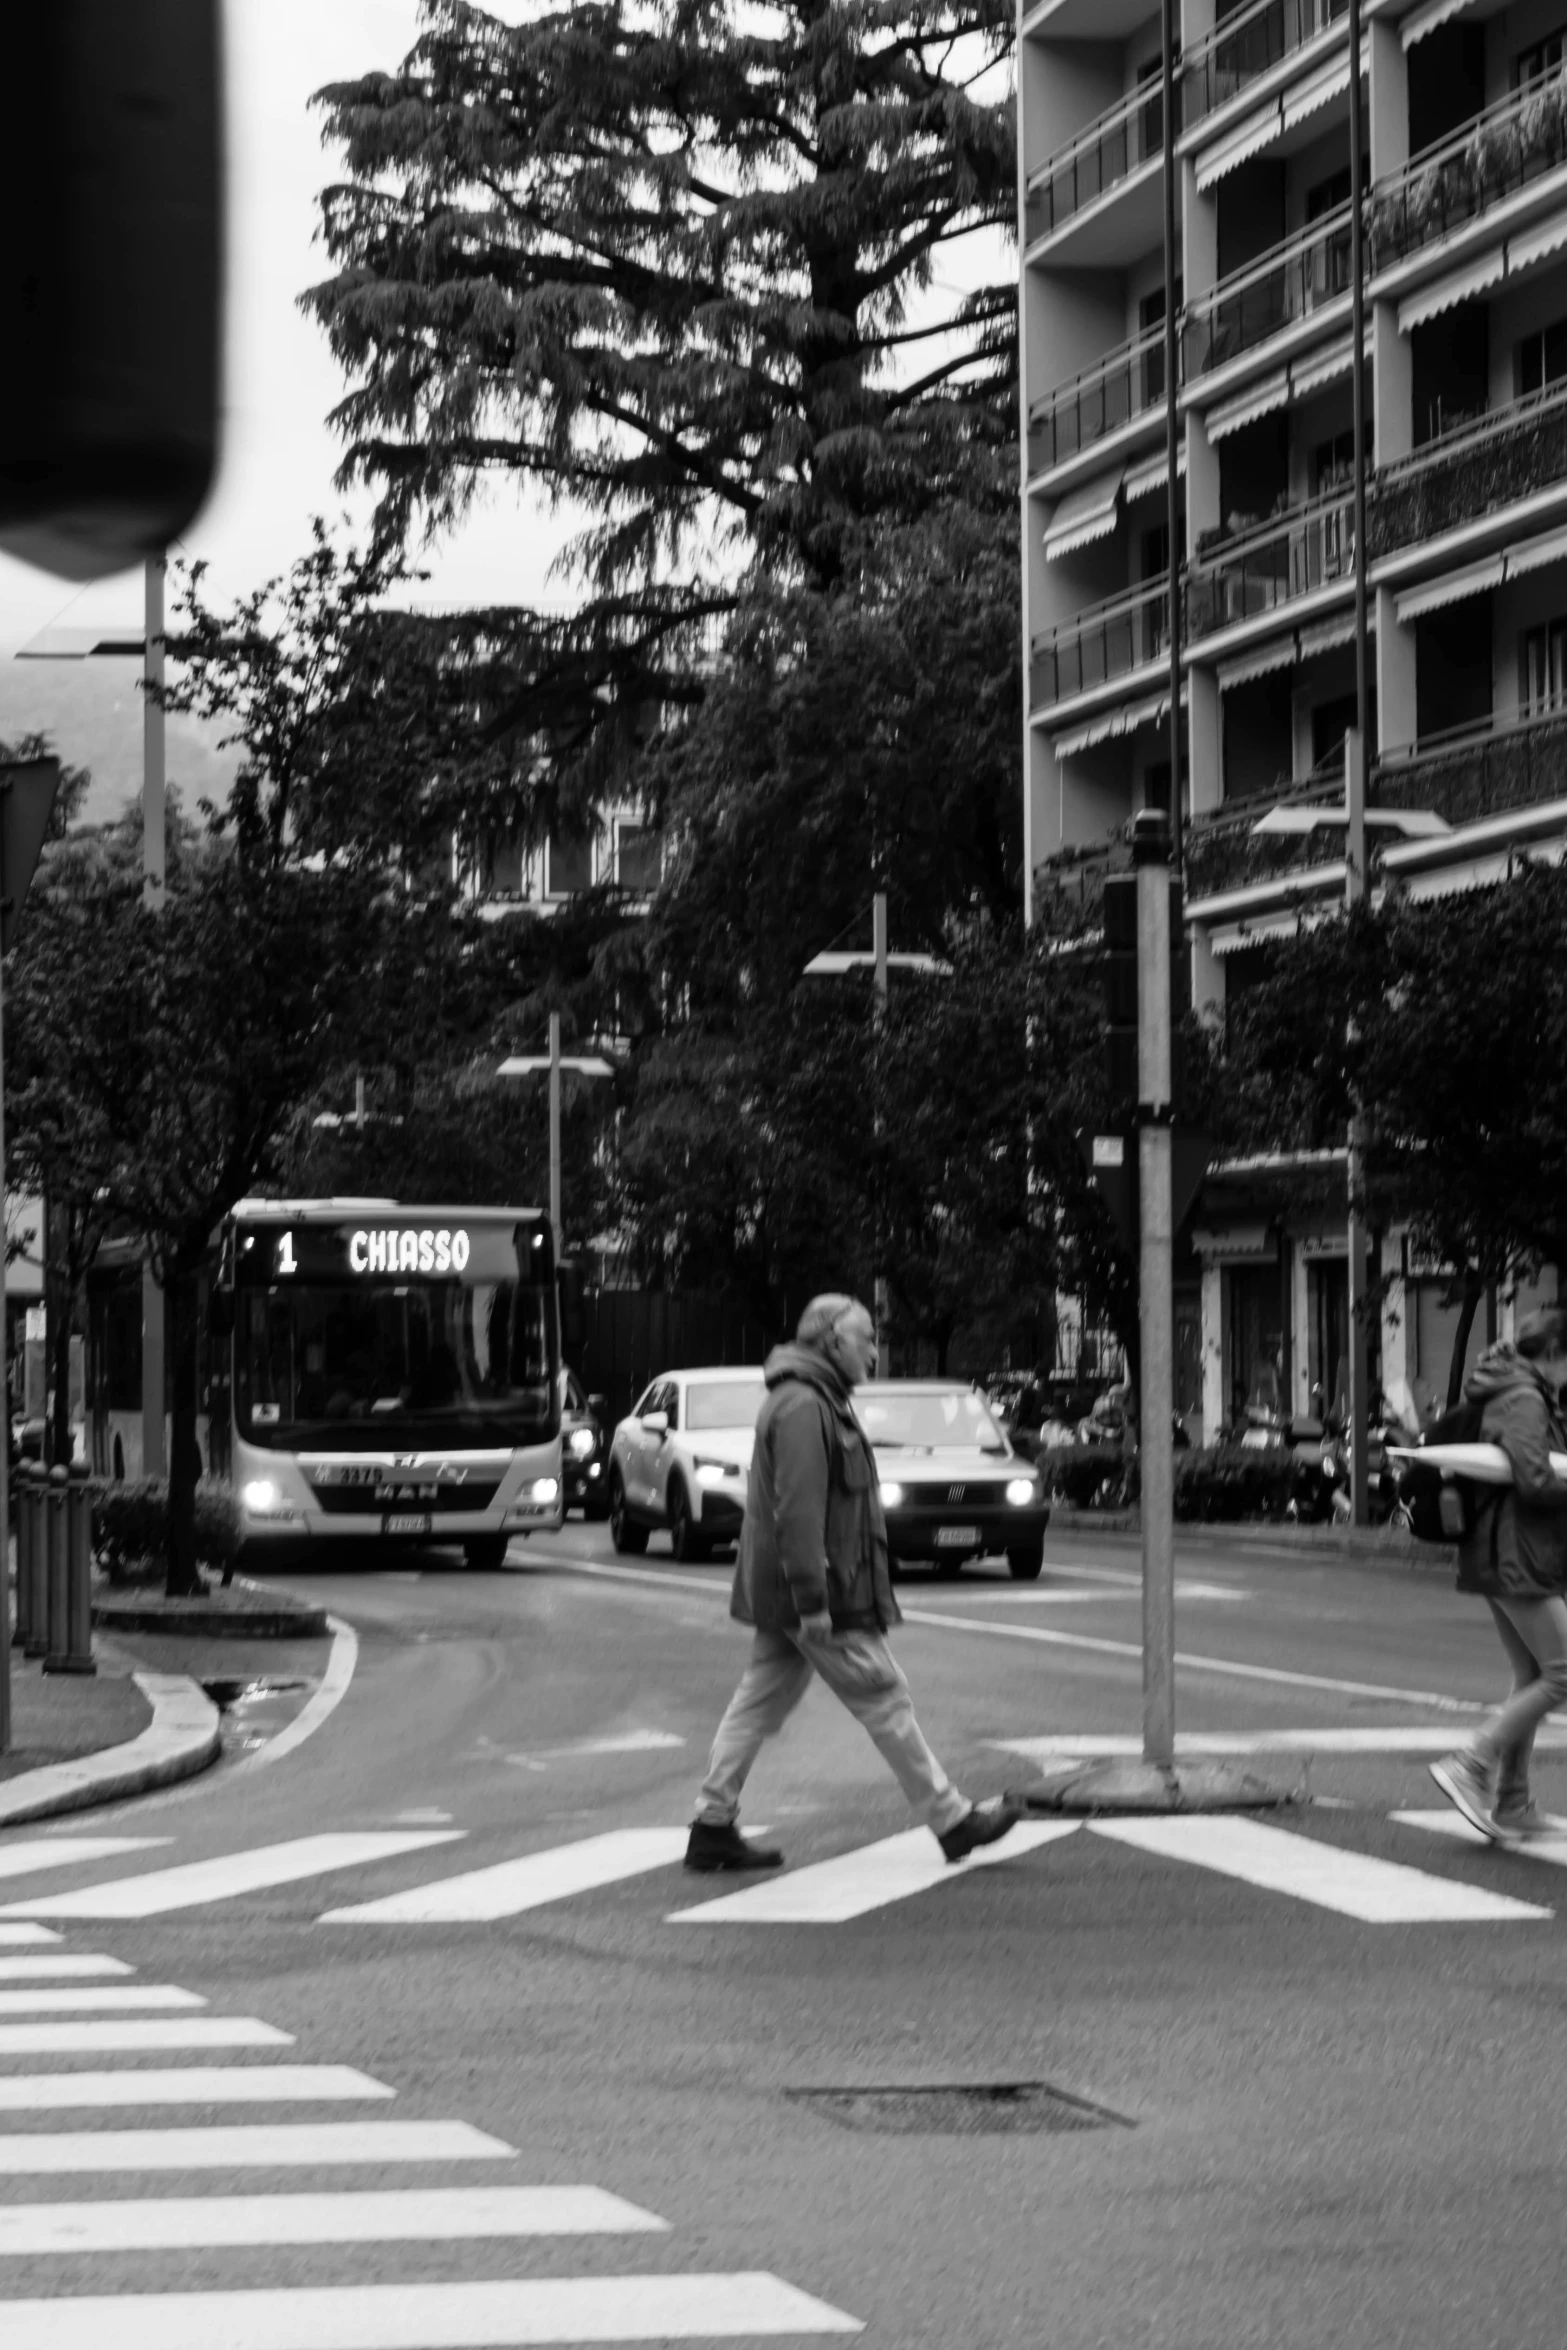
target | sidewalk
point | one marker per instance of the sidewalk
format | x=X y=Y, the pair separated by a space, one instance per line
x=58 y=1717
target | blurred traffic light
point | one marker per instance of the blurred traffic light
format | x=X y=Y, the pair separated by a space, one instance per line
x=110 y=278
x=1119 y=969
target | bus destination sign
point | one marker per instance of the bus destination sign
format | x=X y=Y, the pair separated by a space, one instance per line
x=378 y=1252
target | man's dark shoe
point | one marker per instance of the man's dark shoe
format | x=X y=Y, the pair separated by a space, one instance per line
x=982 y=1823
x=713 y=1847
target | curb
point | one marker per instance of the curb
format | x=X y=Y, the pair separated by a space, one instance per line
x=276 y=1618
x=1380 y=1545
x=182 y=1738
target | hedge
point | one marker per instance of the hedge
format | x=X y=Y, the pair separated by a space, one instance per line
x=130 y=1526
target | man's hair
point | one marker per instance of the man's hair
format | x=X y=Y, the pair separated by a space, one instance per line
x=823 y=1314
x=1542 y=1333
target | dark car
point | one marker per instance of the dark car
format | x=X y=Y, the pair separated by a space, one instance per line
x=952 y=1488
x=584 y=1448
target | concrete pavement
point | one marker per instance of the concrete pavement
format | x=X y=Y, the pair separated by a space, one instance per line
x=1320 y=2043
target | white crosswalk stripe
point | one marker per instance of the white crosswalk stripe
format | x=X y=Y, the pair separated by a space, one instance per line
x=387 y=2216
x=104 y=1998
x=193 y=1884
x=1447 y=1822
x=59 y=1852
x=141 y=2036
x=245 y=2146
x=431 y=2317
x=1379 y=1892
x=856 y=1882
x=59 y=1965
x=190 y=2084
x=528 y=1882
x=26 y=1937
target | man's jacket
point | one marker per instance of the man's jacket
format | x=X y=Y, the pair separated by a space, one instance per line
x=814 y=1536
x=1517 y=1547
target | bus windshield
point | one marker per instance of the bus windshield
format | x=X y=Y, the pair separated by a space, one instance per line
x=371 y=1364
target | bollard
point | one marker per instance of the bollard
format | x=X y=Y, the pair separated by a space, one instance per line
x=74 y=1505
x=56 y=1498
x=24 y=1560
x=35 y=1502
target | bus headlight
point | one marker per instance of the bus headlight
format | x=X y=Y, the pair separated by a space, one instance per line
x=261 y=1499
x=1021 y=1491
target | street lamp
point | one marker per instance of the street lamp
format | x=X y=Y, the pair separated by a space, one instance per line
x=146 y=645
x=832 y=963
x=585 y=1065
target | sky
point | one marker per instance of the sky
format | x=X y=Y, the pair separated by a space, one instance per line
x=279 y=452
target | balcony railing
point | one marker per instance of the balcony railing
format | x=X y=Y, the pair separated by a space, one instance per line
x=1462 y=177
x=1222 y=852
x=1129 y=135
x=1107 y=641
x=1258 y=302
x=1248 y=43
x=1482 y=464
x=1097 y=402
x=1478 y=771
x=1268 y=566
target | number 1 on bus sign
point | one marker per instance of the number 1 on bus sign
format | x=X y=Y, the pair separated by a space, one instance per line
x=285 y=1254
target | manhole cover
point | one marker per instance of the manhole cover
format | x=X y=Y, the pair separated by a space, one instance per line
x=986 y=2109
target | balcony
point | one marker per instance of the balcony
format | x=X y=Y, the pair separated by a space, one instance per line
x=1482 y=464
x=1248 y=43
x=1221 y=852
x=1105 y=642
x=1129 y=135
x=1466 y=175
x=1306 y=274
x=1478 y=771
x=1308 y=548
x=1097 y=402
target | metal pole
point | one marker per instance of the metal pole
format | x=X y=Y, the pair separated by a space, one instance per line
x=1151 y=855
x=1172 y=430
x=5 y=1447
x=154 y=877
x=555 y=1131
x=1358 y=1335
x=879 y=949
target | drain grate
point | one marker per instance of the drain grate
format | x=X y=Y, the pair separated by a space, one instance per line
x=984 y=2109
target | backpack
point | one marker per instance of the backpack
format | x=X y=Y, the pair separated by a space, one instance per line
x=1443 y=1508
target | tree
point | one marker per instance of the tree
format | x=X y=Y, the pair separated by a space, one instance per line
x=677 y=267
x=1457 y=1028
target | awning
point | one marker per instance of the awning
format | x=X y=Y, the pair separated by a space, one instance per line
x=1237 y=1244
x=1309 y=97
x=1311 y=375
x=1142 y=480
x=1535 y=554
x=1425 y=20
x=1247 y=139
x=1323 y=635
x=1277 y=653
x=1472 y=580
x=1537 y=244
x=1082 y=515
x=1258 y=399
x=1445 y=293
x=1126 y=718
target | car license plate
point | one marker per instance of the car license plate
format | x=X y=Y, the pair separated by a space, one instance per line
x=406 y=1522
x=956 y=1537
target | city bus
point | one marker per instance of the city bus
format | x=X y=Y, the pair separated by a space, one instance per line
x=393 y=1373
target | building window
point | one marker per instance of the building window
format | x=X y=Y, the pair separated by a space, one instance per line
x=1542 y=358
x=1542 y=668
x=637 y=858
x=1534 y=65
x=1329 y=268
x=570 y=867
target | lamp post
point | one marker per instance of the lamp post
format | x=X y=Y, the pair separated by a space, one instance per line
x=1355 y=745
x=145 y=644
x=832 y=963
x=584 y=1065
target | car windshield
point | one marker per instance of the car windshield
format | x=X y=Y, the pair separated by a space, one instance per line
x=724 y=1403
x=952 y=1419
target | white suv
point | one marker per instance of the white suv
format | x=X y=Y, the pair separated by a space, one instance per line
x=681 y=1459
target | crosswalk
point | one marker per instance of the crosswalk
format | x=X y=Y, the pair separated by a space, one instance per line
x=55 y=2001
x=491 y=2210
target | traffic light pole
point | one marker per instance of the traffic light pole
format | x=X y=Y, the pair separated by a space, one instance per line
x=1156 y=1307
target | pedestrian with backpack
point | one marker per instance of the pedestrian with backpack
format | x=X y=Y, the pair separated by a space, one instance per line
x=1514 y=1554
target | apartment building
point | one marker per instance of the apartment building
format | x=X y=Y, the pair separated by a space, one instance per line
x=1465 y=115
x=501 y=871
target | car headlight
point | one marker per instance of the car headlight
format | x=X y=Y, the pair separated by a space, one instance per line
x=713 y=1472
x=543 y=1489
x=1021 y=1491
x=580 y=1443
x=891 y=1494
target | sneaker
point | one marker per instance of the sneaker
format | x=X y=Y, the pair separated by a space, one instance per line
x=1524 y=1822
x=721 y=1846
x=982 y=1823
x=1467 y=1785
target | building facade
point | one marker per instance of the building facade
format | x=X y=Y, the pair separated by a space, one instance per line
x=1465 y=114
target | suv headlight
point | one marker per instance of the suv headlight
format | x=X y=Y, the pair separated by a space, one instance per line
x=891 y=1493
x=713 y=1472
x=1021 y=1491
x=580 y=1443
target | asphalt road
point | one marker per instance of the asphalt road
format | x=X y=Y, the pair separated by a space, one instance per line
x=1342 y=2130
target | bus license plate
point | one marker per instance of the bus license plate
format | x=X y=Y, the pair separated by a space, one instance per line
x=956 y=1537
x=406 y=1522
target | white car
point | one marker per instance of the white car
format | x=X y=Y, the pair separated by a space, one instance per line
x=682 y=1458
